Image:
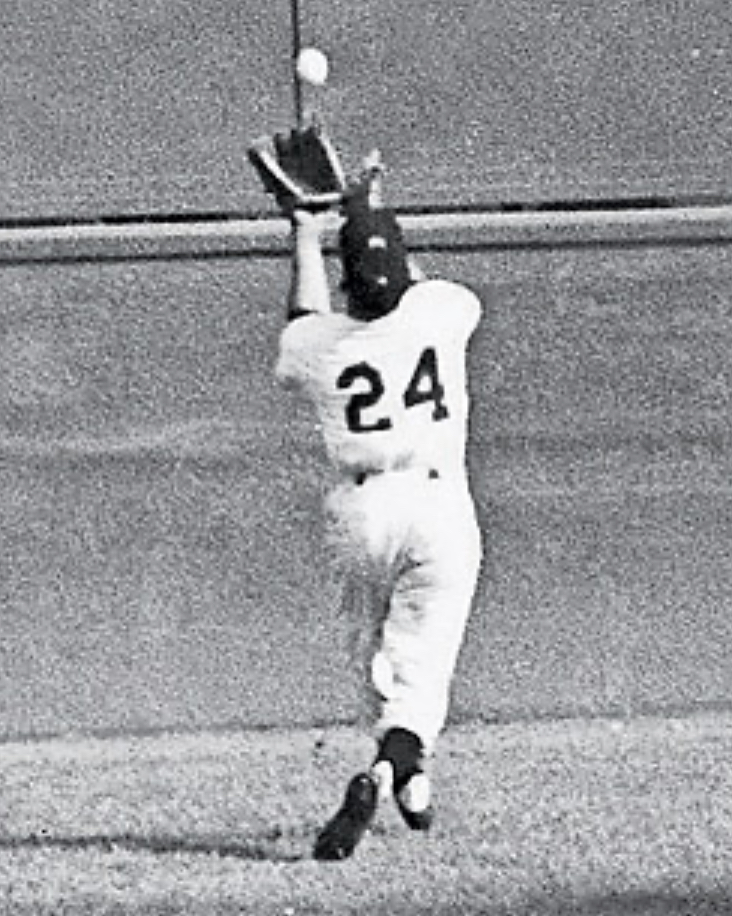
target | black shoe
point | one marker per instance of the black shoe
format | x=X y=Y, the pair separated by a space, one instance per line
x=414 y=805
x=342 y=834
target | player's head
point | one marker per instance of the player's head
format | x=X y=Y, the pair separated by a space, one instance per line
x=375 y=264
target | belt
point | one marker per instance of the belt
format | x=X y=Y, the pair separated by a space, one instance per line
x=361 y=477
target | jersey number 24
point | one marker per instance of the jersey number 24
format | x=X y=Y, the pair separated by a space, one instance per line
x=424 y=387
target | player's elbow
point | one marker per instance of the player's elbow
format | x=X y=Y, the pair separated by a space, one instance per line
x=286 y=379
x=288 y=383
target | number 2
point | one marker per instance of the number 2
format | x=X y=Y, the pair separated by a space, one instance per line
x=359 y=402
x=424 y=387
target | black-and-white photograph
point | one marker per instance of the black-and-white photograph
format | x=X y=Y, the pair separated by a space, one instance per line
x=366 y=458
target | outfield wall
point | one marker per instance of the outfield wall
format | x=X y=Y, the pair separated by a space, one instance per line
x=161 y=556
x=147 y=107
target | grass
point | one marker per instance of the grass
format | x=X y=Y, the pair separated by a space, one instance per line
x=586 y=817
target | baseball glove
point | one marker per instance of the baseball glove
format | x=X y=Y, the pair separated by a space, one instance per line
x=300 y=169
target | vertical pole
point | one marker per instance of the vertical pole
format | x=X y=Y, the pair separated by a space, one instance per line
x=296 y=47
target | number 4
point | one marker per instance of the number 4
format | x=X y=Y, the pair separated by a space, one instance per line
x=426 y=386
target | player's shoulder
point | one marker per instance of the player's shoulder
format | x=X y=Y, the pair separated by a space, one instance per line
x=315 y=329
x=439 y=290
x=442 y=301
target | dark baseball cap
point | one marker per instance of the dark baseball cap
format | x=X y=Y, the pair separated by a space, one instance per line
x=375 y=261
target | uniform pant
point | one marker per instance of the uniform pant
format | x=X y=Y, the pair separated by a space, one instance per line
x=410 y=548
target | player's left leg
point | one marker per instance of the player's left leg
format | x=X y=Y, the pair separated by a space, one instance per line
x=364 y=607
x=345 y=830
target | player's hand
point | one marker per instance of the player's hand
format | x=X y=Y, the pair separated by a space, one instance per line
x=300 y=169
x=367 y=188
x=308 y=223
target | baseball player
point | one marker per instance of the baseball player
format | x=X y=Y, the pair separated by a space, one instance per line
x=386 y=376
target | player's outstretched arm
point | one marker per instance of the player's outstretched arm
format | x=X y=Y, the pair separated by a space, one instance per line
x=309 y=289
x=370 y=188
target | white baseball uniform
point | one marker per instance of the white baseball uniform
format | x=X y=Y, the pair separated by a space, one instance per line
x=391 y=397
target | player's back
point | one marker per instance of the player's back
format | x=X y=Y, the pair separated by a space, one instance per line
x=389 y=393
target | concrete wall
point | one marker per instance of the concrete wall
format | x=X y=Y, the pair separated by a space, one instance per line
x=127 y=107
x=161 y=563
x=160 y=558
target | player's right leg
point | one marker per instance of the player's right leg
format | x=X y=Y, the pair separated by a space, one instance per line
x=401 y=766
x=420 y=642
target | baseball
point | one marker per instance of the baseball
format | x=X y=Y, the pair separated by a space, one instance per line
x=312 y=66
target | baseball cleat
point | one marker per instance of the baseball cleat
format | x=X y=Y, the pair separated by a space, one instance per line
x=414 y=803
x=345 y=830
